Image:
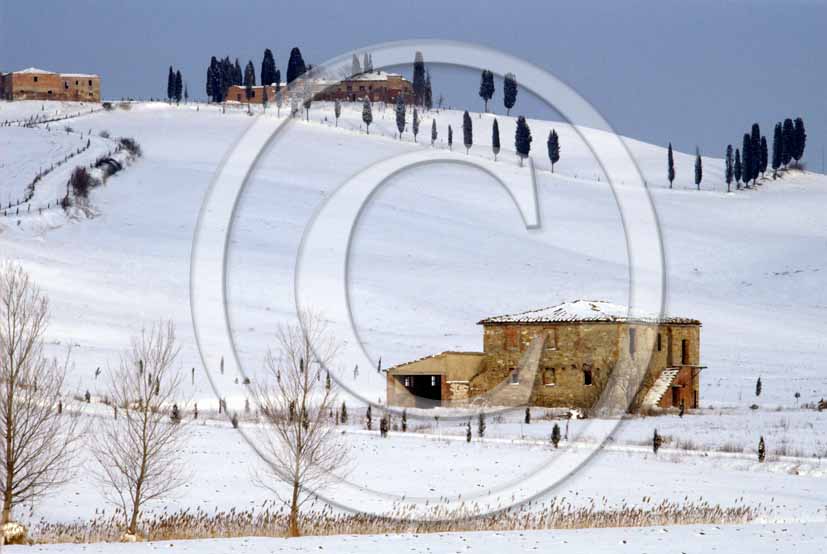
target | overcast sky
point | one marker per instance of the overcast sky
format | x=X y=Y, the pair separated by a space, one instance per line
x=696 y=72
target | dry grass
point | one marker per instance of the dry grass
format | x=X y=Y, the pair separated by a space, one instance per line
x=270 y=520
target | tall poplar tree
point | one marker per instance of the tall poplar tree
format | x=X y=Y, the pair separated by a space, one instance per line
x=670 y=166
x=522 y=139
x=418 y=82
x=699 y=170
x=553 y=145
x=729 y=168
x=509 y=92
x=467 y=131
x=486 y=87
x=400 y=114
x=495 y=139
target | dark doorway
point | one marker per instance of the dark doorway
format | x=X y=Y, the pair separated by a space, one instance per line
x=427 y=389
x=676 y=397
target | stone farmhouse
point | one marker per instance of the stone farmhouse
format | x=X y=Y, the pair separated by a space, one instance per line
x=377 y=86
x=587 y=355
x=38 y=84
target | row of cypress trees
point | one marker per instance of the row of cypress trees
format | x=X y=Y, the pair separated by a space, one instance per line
x=222 y=74
x=747 y=163
x=487 y=90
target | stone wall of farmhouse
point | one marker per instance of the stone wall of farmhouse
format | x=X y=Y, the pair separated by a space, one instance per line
x=578 y=359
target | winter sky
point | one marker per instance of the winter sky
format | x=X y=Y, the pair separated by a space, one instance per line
x=696 y=72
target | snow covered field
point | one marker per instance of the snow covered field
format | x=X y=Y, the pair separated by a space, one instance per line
x=435 y=251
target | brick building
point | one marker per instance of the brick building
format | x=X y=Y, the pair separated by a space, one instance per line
x=38 y=84
x=564 y=356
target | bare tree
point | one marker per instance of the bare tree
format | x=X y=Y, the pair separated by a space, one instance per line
x=298 y=442
x=139 y=451
x=38 y=440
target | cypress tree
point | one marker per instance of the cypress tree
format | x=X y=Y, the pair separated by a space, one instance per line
x=337 y=110
x=509 y=92
x=415 y=123
x=366 y=63
x=277 y=79
x=729 y=168
x=467 y=132
x=450 y=139
x=429 y=99
x=179 y=86
x=736 y=169
x=787 y=142
x=776 y=149
x=295 y=65
x=249 y=75
x=755 y=155
x=367 y=114
x=555 y=435
x=400 y=114
x=355 y=67
x=670 y=163
x=495 y=139
x=522 y=139
x=764 y=156
x=486 y=87
x=699 y=171
x=433 y=131
x=268 y=68
x=237 y=77
x=170 y=84
x=211 y=80
x=758 y=387
x=746 y=161
x=800 y=139
x=418 y=83
x=553 y=145
x=468 y=431
x=762 y=450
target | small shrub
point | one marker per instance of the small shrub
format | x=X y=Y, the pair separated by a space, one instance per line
x=131 y=145
x=234 y=421
x=126 y=106
x=80 y=182
x=555 y=435
x=105 y=134
x=762 y=450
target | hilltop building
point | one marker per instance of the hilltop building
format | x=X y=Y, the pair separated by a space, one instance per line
x=39 y=84
x=562 y=356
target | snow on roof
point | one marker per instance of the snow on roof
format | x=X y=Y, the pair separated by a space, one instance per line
x=32 y=70
x=583 y=310
x=374 y=76
x=82 y=75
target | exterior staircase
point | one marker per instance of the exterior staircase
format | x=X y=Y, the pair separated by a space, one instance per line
x=662 y=384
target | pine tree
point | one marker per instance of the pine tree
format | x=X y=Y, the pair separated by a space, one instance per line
x=343 y=414
x=400 y=114
x=509 y=92
x=656 y=442
x=468 y=431
x=367 y=114
x=495 y=139
x=776 y=149
x=295 y=65
x=179 y=86
x=337 y=110
x=249 y=80
x=670 y=163
x=481 y=425
x=277 y=79
x=186 y=94
x=404 y=421
x=433 y=132
x=800 y=139
x=736 y=169
x=170 y=84
x=699 y=170
x=450 y=138
x=418 y=83
x=415 y=123
x=762 y=450
x=764 y=156
x=555 y=435
x=553 y=145
x=522 y=139
x=268 y=68
x=746 y=161
x=237 y=75
x=467 y=132
x=366 y=63
x=528 y=416
x=788 y=142
x=758 y=387
x=211 y=79
x=429 y=95
x=729 y=168
x=355 y=67
x=368 y=419
x=486 y=87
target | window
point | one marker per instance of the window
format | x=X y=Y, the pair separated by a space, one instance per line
x=660 y=342
x=407 y=382
x=632 y=345
x=515 y=377
x=90 y=82
x=587 y=377
x=685 y=352
x=77 y=83
x=433 y=380
x=549 y=376
x=35 y=78
x=65 y=85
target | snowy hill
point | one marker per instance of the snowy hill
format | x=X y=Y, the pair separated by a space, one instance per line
x=435 y=251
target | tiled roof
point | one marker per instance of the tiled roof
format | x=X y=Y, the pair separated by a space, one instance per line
x=584 y=311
